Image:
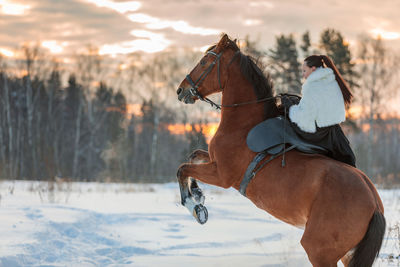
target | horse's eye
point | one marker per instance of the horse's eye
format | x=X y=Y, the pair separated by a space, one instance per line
x=203 y=62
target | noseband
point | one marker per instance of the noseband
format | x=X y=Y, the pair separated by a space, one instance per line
x=195 y=85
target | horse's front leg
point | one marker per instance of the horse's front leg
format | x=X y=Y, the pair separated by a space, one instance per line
x=196 y=157
x=191 y=196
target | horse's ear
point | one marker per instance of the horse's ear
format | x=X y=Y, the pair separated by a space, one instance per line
x=222 y=43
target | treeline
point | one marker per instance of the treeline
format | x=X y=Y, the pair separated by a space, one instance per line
x=378 y=149
x=49 y=131
x=73 y=124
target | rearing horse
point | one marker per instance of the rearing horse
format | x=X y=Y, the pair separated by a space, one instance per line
x=336 y=204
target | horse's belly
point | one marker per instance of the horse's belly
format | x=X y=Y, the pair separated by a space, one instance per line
x=288 y=203
x=295 y=217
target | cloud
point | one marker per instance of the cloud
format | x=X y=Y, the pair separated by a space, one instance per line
x=121 y=7
x=179 y=26
x=54 y=46
x=10 y=8
x=190 y=23
x=76 y=22
x=149 y=42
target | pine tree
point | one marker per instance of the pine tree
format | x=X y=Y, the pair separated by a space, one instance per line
x=306 y=44
x=130 y=155
x=251 y=48
x=53 y=127
x=73 y=125
x=145 y=140
x=285 y=69
x=333 y=44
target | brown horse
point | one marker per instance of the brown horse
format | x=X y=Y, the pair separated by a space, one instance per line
x=336 y=204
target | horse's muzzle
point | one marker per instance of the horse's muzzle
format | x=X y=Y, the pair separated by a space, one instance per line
x=185 y=96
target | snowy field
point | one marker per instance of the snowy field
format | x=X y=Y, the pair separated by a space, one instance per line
x=92 y=224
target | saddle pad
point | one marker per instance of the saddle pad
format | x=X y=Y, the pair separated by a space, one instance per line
x=270 y=134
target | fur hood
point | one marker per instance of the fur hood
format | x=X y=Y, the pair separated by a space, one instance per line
x=322 y=102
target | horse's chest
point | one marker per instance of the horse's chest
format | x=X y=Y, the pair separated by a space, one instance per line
x=230 y=152
x=227 y=143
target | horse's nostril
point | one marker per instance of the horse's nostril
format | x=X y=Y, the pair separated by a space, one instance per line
x=179 y=90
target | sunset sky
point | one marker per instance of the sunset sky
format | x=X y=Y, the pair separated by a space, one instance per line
x=66 y=27
x=121 y=27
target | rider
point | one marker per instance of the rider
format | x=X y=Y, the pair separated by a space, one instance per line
x=317 y=116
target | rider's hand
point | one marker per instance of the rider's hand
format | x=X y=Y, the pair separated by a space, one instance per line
x=286 y=102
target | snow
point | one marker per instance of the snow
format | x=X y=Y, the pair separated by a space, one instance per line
x=93 y=224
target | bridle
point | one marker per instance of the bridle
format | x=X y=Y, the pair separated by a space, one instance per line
x=195 y=85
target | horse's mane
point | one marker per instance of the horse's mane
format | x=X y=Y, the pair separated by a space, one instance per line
x=252 y=70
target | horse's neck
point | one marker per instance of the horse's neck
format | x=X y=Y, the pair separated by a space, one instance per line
x=244 y=117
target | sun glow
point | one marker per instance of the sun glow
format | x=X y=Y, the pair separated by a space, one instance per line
x=54 y=46
x=6 y=52
x=202 y=49
x=7 y=7
x=179 y=25
x=355 y=111
x=134 y=109
x=252 y=22
x=386 y=35
x=121 y=7
x=208 y=129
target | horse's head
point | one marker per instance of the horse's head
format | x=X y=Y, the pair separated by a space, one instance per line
x=208 y=76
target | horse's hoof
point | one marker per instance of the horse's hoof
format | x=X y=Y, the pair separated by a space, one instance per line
x=198 y=195
x=200 y=213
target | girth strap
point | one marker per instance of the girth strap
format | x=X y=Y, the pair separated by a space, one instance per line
x=249 y=174
x=252 y=171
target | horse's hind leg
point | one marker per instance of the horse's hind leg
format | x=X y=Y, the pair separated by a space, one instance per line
x=331 y=230
x=319 y=256
x=326 y=238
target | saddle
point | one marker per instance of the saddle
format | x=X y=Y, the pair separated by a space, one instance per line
x=273 y=134
x=270 y=137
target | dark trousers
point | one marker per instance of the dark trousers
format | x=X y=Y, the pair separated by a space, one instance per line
x=332 y=139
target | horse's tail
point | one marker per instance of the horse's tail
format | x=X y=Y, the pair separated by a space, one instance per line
x=368 y=249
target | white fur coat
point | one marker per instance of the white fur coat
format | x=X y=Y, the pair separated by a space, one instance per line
x=322 y=102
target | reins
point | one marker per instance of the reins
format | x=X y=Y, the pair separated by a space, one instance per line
x=219 y=106
x=195 y=84
x=250 y=102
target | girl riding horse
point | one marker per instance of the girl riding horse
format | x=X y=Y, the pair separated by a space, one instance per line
x=322 y=107
x=336 y=204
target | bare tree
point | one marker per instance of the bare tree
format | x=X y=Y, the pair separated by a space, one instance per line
x=378 y=67
x=9 y=123
x=34 y=63
x=2 y=115
x=90 y=73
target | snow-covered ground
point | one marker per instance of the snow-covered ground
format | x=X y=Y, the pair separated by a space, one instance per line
x=92 y=224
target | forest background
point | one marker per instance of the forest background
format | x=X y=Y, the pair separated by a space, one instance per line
x=101 y=118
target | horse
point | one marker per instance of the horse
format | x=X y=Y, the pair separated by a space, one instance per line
x=336 y=204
